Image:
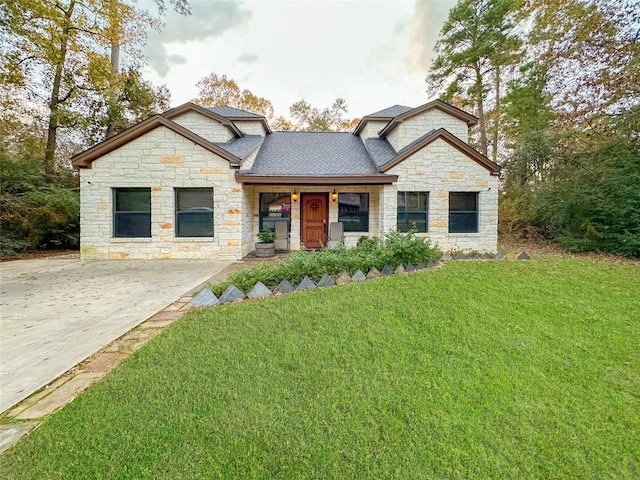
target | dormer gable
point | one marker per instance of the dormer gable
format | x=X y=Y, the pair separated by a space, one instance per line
x=205 y=123
x=411 y=125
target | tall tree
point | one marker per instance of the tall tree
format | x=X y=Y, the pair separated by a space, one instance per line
x=311 y=119
x=215 y=90
x=477 y=40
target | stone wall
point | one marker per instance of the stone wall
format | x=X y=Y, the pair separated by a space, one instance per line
x=416 y=126
x=439 y=169
x=204 y=126
x=161 y=160
x=252 y=127
x=371 y=129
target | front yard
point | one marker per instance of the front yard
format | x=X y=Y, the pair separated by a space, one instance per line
x=473 y=370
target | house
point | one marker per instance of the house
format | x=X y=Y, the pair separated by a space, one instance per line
x=199 y=182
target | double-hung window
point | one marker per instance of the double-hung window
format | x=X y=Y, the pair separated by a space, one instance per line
x=132 y=212
x=413 y=208
x=463 y=212
x=194 y=212
x=353 y=211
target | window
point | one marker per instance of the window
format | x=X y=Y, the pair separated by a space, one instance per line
x=273 y=207
x=463 y=212
x=132 y=212
x=353 y=211
x=413 y=208
x=194 y=212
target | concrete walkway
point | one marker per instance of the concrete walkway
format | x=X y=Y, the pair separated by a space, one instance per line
x=56 y=312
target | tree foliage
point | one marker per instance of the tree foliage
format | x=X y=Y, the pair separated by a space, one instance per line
x=566 y=128
x=310 y=119
x=215 y=90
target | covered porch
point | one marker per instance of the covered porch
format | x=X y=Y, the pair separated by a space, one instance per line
x=308 y=209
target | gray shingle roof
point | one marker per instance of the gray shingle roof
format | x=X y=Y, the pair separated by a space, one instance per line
x=227 y=111
x=241 y=146
x=391 y=111
x=380 y=150
x=313 y=153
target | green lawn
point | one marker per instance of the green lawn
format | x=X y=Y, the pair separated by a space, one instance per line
x=474 y=370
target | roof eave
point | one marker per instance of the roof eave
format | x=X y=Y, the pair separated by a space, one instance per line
x=249 y=179
x=452 y=140
x=262 y=120
x=470 y=119
x=366 y=119
x=86 y=158
x=190 y=106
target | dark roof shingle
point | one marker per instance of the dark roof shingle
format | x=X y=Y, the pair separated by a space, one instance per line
x=391 y=112
x=241 y=147
x=232 y=112
x=313 y=153
x=380 y=150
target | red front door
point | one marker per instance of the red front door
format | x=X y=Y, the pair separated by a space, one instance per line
x=315 y=215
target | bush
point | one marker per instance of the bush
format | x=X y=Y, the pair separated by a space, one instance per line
x=37 y=211
x=394 y=250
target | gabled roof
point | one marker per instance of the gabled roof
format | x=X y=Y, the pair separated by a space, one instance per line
x=452 y=140
x=440 y=105
x=236 y=115
x=380 y=150
x=385 y=115
x=227 y=111
x=189 y=106
x=84 y=159
x=241 y=147
x=313 y=157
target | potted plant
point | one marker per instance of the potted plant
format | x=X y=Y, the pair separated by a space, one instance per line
x=266 y=247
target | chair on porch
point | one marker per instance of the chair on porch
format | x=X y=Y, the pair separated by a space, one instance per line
x=282 y=235
x=336 y=232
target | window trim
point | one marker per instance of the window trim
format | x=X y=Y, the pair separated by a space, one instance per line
x=344 y=224
x=116 y=213
x=176 y=227
x=426 y=212
x=476 y=212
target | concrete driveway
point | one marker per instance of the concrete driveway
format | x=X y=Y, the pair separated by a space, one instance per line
x=55 y=312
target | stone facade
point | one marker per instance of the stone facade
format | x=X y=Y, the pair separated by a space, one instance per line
x=160 y=160
x=440 y=169
x=163 y=160
x=416 y=126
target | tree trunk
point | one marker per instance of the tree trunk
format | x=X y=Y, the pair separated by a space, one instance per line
x=496 y=118
x=112 y=99
x=482 y=121
x=113 y=94
x=55 y=101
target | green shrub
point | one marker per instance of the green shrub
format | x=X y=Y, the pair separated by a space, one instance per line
x=37 y=211
x=395 y=249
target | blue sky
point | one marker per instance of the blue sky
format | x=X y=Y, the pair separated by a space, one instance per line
x=372 y=53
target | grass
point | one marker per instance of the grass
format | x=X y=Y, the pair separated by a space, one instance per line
x=474 y=370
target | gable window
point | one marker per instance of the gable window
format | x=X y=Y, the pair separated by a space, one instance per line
x=413 y=209
x=353 y=211
x=463 y=212
x=194 y=212
x=274 y=207
x=132 y=212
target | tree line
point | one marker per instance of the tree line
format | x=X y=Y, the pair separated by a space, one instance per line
x=555 y=85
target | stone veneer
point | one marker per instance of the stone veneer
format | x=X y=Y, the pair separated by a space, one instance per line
x=164 y=160
x=416 y=126
x=161 y=160
x=439 y=169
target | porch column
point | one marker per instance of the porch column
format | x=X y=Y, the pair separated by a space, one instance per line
x=388 y=208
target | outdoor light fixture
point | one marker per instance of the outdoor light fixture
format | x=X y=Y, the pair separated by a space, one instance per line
x=294 y=196
x=334 y=196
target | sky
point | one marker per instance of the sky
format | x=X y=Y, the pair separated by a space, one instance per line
x=374 y=54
